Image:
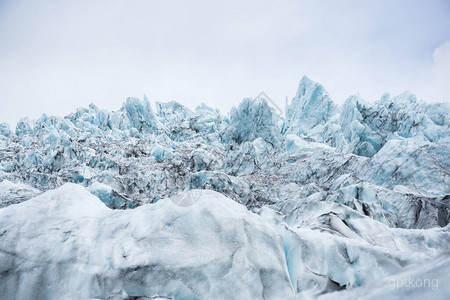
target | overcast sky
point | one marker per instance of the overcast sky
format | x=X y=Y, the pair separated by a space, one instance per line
x=58 y=55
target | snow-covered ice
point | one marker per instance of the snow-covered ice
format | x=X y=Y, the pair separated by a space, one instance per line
x=66 y=244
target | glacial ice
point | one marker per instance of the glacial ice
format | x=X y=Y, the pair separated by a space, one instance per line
x=310 y=107
x=420 y=281
x=330 y=246
x=250 y=205
x=66 y=244
x=12 y=193
x=141 y=115
x=110 y=197
x=253 y=119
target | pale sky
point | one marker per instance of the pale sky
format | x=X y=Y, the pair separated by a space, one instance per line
x=58 y=55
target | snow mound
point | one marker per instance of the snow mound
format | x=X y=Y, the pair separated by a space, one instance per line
x=66 y=244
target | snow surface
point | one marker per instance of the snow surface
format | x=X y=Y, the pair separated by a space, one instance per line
x=253 y=205
x=66 y=244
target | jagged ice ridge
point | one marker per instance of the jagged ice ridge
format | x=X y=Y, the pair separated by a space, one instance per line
x=253 y=205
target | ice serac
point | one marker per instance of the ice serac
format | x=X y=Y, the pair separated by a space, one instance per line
x=5 y=130
x=367 y=127
x=85 y=250
x=253 y=119
x=310 y=107
x=209 y=120
x=402 y=164
x=5 y=133
x=361 y=139
x=177 y=119
x=141 y=115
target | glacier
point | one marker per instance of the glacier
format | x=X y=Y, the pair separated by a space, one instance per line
x=326 y=201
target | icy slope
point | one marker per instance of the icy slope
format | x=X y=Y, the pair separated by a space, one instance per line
x=426 y=281
x=66 y=244
x=197 y=245
x=331 y=247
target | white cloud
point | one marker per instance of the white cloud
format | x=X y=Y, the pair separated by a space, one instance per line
x=441 y=72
